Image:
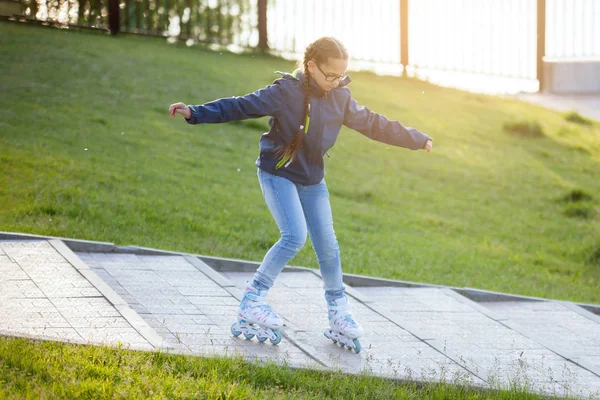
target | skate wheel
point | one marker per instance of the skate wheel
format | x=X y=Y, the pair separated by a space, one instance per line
x=261 y=339
x=277 y=337
x=357 y=346
x=234 y=331
x=248 y=335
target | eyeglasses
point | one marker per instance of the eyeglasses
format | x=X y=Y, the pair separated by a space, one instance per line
x=331 y=78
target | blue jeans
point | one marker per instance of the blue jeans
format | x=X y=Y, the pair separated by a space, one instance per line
x=299 y=209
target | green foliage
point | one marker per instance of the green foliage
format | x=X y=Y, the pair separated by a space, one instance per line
x=86 y=152
x=577 y=119
x=528 y=129
x=579 y=204
x=595 y=256
x=580 y=210
x=577 y=195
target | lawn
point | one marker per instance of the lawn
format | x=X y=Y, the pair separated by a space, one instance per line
x=88 y=151
x=32 y=369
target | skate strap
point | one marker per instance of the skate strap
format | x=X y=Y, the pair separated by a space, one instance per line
x=259 y=301
x=254 y=297
x=340 y=308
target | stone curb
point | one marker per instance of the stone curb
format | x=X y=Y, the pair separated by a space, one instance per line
x=117 y=301
x=209 y=272
x=474 y=305
x=581 y=311
x=73 y=244
x=82 y=342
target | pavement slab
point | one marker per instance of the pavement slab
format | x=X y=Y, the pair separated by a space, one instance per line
x=571 y=334
x=388 y=349
x=490 y=347
x=43 y=295
x=191 y=312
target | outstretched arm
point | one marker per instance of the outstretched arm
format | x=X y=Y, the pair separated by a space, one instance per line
x=378 y=127
x=263 y=102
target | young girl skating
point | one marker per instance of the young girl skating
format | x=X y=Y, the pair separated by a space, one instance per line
x=307 y=110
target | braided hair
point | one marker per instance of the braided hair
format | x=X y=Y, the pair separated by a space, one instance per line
x=318 y=51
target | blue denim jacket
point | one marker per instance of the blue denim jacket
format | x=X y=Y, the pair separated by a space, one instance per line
x=283 y=101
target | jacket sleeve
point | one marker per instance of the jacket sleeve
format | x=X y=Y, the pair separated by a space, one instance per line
x=378 y=127
x=266 y=101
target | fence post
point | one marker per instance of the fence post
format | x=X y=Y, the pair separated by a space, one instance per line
x=404 y=35
x=114 y=20
x=541 y=42
x=263 y=44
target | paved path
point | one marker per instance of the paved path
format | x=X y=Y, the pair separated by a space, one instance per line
x=587 y=105
x=43 y=295
x=178 y=303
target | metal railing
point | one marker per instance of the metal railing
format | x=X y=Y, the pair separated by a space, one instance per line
x=573 y=29
x=506 y=38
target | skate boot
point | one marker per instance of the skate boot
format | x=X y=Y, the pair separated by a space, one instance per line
x=255 y=317
x=343 y=329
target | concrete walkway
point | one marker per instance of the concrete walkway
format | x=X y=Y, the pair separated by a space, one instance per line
x=588 y=105
x=88 y=292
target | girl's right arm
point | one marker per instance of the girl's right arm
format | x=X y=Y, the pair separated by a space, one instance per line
x=266 y=101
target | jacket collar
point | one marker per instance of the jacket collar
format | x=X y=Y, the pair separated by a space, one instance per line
x=315 y=89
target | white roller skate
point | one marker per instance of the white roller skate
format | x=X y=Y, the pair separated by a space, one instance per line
x=343 y=329
x=255 y=317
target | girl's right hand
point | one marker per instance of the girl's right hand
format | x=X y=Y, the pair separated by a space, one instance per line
x=180 y=108
x=428 y=145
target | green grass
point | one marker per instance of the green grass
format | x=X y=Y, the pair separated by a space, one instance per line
x=578 y=119
x=32 y=369
x=88 y=151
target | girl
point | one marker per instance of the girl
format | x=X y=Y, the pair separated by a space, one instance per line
x=307 y=110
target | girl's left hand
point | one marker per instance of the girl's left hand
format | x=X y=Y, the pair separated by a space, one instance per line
x=428 y=146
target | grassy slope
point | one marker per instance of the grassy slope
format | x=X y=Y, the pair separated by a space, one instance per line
x=482 y=210
x=33 y=370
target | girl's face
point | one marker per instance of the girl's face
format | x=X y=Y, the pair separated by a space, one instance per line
x=328 y=75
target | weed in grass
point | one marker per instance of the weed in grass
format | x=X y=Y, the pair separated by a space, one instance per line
x=44 y=210
x=580 y=210
x=358 y=195
x=577 y=119
x=262 y=243
x=594 y=257
x=577 y=195
x=565 y=131
x=582 y=149
x=527 y=129
x=100 y=121
x=578 y=204
x=254 y=124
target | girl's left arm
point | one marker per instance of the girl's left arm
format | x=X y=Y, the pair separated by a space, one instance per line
x=378 y=127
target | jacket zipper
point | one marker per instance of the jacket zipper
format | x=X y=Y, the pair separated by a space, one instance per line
x=326 y=153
